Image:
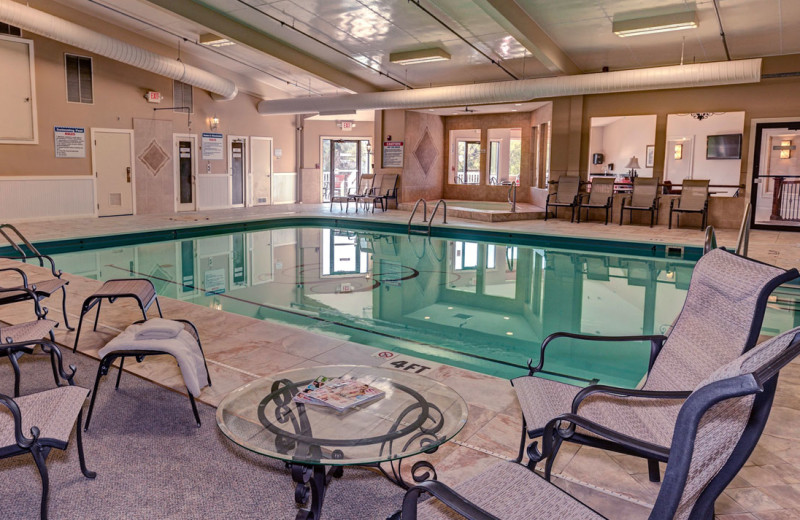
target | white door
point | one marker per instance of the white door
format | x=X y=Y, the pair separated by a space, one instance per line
x=261 y=170
x=113 y=168
x=185 y=172
x=237 y=162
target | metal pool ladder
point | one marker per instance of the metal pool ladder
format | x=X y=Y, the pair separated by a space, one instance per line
x=22 y=238
x=433 y=213
x=512 y=194
x=424 y=213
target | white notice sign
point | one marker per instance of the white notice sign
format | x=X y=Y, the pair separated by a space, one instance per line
x=213 y=146
x=70 y=142
x=214 y=281
x=393 y=154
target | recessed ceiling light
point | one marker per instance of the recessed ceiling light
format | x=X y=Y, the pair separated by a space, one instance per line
x=419 y=56
x=214 y=40
x=627 y=25
x=427 y=317
x=517 y=104
x=513 y=109
x=509 y=333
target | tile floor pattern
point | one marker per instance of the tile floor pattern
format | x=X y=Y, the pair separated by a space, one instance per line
x=237 y=350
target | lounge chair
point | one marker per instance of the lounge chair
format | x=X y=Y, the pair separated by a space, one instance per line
x=353 y=194
x=42 y=289
x=601 y=196
x=644 y=197
x=48 y=417
x=24 y=332
x=694 y=199
x=385 y=188
x=720 y=319
x=716 y=429
x=565 y=196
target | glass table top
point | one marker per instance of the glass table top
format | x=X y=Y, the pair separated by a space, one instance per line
x=415 y=415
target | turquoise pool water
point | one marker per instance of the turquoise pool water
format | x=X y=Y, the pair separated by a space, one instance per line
x=483 y=304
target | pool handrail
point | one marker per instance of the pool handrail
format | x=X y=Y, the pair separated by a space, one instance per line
x=512 y=199
x=424 y=213
x=743 y=240
x=710 y=241
x=433 y=213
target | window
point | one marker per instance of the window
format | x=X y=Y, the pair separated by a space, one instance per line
x=505 y=155
x=182 y=97
x=465 y=156
x=10 y=30
x=79 y=79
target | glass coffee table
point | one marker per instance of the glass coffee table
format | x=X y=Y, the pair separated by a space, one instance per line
x=415 y=416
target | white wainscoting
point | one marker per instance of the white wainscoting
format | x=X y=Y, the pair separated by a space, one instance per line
x=213 y=191
x=284 y=187
x=46 y=197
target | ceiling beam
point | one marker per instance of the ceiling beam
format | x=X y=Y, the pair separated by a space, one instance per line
x=521 y=26
x=235 y=30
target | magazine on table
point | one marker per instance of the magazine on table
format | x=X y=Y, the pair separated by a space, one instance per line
x=338 y=393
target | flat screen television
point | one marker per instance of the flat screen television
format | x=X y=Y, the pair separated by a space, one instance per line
x=724 y=146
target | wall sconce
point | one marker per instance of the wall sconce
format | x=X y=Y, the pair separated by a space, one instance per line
x=786 y=150
x=213 y=122
x=678 y=151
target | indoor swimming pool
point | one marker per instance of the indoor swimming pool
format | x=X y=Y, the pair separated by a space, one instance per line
x=478 y=301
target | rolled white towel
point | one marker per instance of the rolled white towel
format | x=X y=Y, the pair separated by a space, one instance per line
x=158 y=328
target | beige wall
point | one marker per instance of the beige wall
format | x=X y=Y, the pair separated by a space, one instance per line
x=416 y=183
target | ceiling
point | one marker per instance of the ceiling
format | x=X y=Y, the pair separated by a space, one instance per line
x=326 y=47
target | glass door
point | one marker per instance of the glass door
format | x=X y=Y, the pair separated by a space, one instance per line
x=775 y=192
x=343 y=162
x=468 y=162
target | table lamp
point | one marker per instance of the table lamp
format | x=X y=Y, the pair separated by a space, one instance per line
x=633 y=165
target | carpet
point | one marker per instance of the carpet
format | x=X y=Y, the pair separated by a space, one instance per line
x=152 y=462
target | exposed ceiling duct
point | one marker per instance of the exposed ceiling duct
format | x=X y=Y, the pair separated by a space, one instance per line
x=55 y=28
x=676 y=76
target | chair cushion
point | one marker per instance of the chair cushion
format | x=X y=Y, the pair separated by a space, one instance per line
x=53 y=411
x=510 y=491
x=29 y=331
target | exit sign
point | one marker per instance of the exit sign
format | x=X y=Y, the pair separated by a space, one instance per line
x=154 y=97
x=347 y=126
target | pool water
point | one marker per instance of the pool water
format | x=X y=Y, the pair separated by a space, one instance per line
x=481 y=305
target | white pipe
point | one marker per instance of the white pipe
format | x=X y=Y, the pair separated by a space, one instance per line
x=61 y=30
x=675 y=76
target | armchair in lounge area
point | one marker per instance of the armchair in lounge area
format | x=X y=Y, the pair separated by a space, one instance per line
x=565 y=196
x=644 y=197
x=600 y=196
x=721 y=318
x=693 y=199
x=716 y=429
x=39 y=422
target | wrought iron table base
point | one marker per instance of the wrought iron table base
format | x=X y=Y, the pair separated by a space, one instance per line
x=312 y=482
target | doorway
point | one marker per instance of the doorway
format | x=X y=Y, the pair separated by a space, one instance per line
x=343 y=162
x=112 y=160
x=237 y=159
x=261 y=170
x=775 y=188
x=185 y=172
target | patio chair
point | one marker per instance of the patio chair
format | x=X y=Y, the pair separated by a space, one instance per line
x=354 y=193
x=694 y=199
x=565 y=196
x=385 y=188
x=364 y=187
x=601 y=196
x=23 y=332
x=644 y=197
x=48 y=417
x=716 y=429
x=720 y=319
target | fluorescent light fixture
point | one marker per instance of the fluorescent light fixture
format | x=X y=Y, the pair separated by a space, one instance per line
x=214 y=40
x=419 y=56
x=675 y=21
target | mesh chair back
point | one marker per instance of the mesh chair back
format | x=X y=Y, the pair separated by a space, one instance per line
x=645 y=192
x=721 y=426
x=365 y=184
x=602 y=189
x=388 y=183
x=720 y=319
x=694 y=195
x=567 y=189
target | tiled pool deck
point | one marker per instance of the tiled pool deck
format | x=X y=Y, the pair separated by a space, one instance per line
x=240 y=349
